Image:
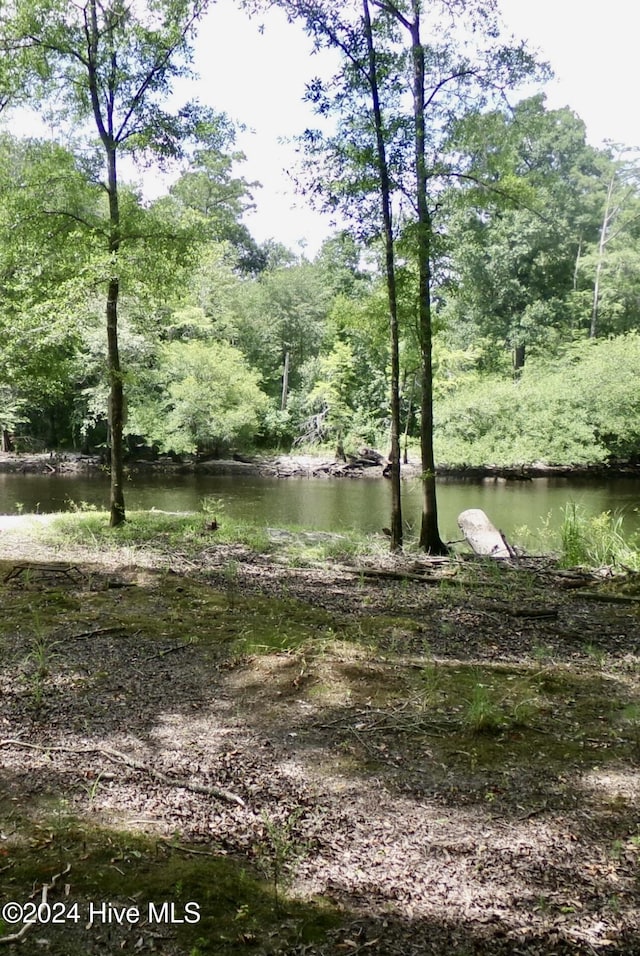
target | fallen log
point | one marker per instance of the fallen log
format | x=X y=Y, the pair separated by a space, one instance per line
x=394 y=575
x=608 y=597
x=482 y=536
x=45 y=568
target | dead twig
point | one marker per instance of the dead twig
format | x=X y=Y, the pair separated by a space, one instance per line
x=394 y=575
x=533 y=612
x=98 y=632
x=43 y=568
x=16 y=937
x=43 y=891
x=186 y=849
x=117 y=757
x=170 y=650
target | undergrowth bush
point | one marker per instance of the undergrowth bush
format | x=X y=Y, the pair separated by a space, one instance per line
x=581 y=408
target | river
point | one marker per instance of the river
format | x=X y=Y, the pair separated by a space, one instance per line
x=335 y=504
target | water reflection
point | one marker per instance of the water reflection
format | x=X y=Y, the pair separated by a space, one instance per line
x=333 y=504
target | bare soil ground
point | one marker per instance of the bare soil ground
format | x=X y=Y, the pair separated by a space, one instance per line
x=324 y=759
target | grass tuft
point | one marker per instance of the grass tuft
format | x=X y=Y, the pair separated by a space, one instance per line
x=597 y=540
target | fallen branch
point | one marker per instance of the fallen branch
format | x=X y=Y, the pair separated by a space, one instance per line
x=98 y=632
x=186 y=849
x=117 y=757
x=533 y=612
x=49 y=567
x=394 y=575
x=170 y=650
x=16 y=937
x=611 y=598
x=44 y=890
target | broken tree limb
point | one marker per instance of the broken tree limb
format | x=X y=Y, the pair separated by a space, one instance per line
x=117 y=757
x=482 y=536
x=533 y=612
x=393 y=575
x=608 y=596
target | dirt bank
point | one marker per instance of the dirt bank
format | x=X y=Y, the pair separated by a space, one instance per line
x=306 y=466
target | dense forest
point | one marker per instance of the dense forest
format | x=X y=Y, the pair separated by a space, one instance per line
x=227 y=344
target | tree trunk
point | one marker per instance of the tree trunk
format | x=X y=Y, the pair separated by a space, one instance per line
x=285 y=383
x=484 y=538
x=405 y=453
x=116 y=391
x=105 y=126
x=519 y=356
x=429 y=534
x=116 y=404
x=385 y=192
x=593 y=328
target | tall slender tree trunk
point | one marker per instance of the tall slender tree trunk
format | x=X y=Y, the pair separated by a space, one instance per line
x=385 y=193
x=105 y=126
x=604 y=229
x=407 y=424
x=429 y=534
x=116 y=391
x=285 y=382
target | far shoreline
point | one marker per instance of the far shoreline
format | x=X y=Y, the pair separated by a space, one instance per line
x=287 y=466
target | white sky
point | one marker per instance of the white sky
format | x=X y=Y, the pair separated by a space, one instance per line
x=259 y=78
x=592 y=46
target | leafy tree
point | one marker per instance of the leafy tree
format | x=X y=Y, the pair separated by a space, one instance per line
x=524 y=238
x=283 y=312
x=207 y=399
x=111 y=64
x=340 y=259
x=447 y=75
x=323 y=406
x=220 y=199
x=345 y=389
x=615 y=259
x=48 y=269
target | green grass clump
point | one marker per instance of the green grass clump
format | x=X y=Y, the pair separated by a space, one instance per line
x=596 y=540
x=151 y=529
x=483 y=715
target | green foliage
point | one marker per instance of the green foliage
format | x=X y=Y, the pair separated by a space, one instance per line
x=583 y=408
x=285 y=310
x=596 y=540
x=528 y=217
x=216 y=200
x=482 y=714
x=47 y=208
x=209 y=400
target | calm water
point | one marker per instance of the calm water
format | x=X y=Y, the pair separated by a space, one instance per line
x=333 y=504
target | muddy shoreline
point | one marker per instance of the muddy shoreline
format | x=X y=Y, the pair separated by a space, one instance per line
x=304 y=466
